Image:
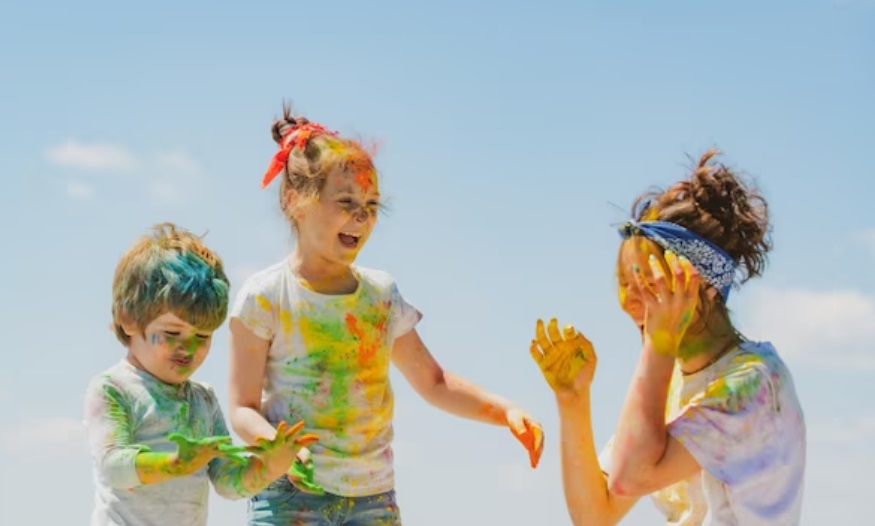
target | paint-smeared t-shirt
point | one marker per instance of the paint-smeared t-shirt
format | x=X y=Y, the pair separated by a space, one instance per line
x=127 y=409
x=328 y=365
x=742 y=422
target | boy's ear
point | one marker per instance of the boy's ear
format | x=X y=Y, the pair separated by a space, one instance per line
x=130 y=328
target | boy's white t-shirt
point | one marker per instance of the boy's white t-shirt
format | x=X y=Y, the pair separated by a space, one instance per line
x=128 y=411
x=741 y=420
x=328 y=365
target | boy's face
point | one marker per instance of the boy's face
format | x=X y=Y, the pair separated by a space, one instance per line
x=170 y=350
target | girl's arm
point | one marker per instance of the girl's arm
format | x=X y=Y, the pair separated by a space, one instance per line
x=587 y=495
x=568 y=362
x=248 y=356
x=645 y=458
x=443 y=389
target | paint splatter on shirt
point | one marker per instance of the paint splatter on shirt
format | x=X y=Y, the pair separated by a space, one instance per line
x=127 y=408
x=741 y=420
x=328 y=365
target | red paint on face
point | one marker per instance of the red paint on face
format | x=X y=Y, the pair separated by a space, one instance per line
x=364 y=180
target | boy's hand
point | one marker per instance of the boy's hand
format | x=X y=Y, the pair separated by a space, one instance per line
x=193 y=454
x=278 y=454
x=528 y=432
x=568 y=360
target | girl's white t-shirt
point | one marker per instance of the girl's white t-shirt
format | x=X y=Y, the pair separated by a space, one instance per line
x=741 y=420
x=328 y=365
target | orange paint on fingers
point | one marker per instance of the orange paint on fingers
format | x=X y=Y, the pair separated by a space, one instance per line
x=306 y=440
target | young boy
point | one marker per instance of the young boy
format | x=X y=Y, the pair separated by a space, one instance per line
x=155 y=435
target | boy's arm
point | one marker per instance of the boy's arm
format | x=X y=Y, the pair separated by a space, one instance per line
x=234 y=480
x=110 y=434
x=460 y=397
x=126 y=465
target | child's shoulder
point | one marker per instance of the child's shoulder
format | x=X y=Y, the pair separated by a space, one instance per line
x=378 y=278
x=266 y=279
x=116 y=382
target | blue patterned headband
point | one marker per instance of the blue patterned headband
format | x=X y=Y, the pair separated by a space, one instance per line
x=713 y=263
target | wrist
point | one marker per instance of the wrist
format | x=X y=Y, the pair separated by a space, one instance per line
x=661 y=346
x=572 y=400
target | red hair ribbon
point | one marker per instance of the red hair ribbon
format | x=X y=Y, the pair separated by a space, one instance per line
x=296 y=136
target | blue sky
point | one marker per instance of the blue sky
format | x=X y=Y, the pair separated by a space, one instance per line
x=507 y=129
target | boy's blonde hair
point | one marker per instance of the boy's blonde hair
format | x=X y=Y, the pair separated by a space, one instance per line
x=169 y=270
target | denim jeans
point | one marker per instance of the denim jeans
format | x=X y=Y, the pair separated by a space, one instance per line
x=282 y=504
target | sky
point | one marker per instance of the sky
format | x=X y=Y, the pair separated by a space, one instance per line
x=512 y=136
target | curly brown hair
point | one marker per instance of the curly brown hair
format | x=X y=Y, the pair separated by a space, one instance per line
x=719 y=205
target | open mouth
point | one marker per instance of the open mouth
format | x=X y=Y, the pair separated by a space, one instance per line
x=349 y=240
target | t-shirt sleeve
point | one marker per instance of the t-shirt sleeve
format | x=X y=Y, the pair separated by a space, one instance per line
x=254 y=307
x=109 y=427
x=226 y=475
x=404 y=316
x=728 y=427
x=605 y=456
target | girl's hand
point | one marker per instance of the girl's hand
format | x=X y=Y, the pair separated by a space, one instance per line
x=567 y=360
x=528 y=432
x=278 y=454
x=670 y=303
x=301 y=474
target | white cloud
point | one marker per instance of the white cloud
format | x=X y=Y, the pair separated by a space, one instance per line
x=91 y=156
x=77 y=190
x=170 y=177
x=44 y=434
x=834 y=329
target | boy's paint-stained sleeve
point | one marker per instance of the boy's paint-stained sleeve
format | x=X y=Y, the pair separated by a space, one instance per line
x=110 y=434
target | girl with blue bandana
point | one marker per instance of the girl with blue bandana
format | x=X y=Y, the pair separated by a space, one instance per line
x=711 y=427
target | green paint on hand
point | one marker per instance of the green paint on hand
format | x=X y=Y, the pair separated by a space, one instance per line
x=304 y=476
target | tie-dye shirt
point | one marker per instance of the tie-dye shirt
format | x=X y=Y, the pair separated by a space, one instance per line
x=128 y=410
x=328 y=365
x=741 y=420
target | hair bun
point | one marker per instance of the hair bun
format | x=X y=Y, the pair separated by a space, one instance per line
x=281 y=127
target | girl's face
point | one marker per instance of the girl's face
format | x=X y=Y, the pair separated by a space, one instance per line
x=634 y=252
x=169 y=348
x=336 y=226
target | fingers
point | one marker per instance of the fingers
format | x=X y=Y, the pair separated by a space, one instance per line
x=661 y=285
x=679 y=276
x=516 y=422
x=537 y=444
x=306 y=440
x=535 y=351
x=647 y=292
x=295 y=429
x=693 y=278
x=553 y=332
x=541 y=338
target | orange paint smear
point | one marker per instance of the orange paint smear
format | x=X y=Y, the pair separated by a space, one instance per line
x=367 y=349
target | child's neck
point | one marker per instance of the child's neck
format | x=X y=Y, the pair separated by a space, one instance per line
x=324 y=277
x=699 y=351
